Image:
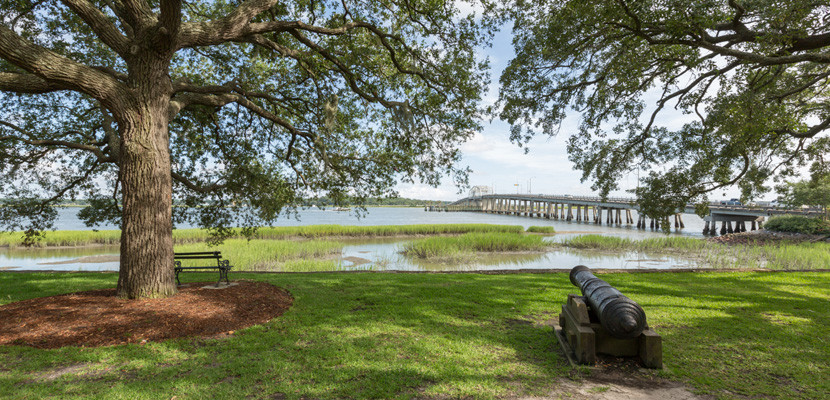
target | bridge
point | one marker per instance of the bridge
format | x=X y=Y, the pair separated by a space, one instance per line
x=591 y=209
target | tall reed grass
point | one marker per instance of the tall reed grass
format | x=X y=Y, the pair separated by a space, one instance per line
x=112 y=237
x=473 y=242
x=650 y=244
x=781 y=256
x=272 y=255
x=540 y=229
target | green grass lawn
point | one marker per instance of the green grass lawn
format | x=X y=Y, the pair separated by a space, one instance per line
x=371 y=335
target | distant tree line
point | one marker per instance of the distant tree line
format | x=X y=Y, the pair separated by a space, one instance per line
x=373 y=202
x=318 y=202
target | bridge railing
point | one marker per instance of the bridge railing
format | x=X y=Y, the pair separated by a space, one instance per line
x=558 y=197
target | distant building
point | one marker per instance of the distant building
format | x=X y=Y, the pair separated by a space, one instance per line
x=478 y=191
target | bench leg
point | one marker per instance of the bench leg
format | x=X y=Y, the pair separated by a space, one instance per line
x=178 y=283
x=221 y=271
x=223 y=274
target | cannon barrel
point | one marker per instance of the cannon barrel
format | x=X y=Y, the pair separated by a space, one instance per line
x=620 y=316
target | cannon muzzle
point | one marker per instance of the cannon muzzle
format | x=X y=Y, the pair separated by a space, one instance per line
x=620 y=316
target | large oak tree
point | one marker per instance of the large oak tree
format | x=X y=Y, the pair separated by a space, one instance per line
x=752 y=76
x=231 y=109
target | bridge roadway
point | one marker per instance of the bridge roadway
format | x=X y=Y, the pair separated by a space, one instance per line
x=567 y=207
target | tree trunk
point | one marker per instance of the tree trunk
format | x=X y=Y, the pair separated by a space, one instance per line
x=146 y=268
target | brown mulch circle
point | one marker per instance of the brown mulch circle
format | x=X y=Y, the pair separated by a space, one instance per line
x=98 y=318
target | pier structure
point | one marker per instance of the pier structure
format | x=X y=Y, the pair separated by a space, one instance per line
x=612 y=211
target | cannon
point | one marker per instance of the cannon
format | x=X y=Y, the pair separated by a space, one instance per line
x=619 y=315
x=604 y=321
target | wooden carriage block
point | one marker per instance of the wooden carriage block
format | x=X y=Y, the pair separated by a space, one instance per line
x=584 y=337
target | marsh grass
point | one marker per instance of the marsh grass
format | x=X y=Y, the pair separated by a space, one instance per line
x=457 y=246
x=671 y=243
x=541 y=229
x=440 y=336
x=64 y=238
x=780 y=256
x=180 y=236
x=273 y=255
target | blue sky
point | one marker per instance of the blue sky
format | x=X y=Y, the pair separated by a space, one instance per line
x=545 y=169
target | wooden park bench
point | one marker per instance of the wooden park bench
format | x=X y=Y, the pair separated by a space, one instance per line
x=222 y=265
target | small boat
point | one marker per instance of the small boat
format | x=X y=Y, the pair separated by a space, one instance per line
x=342 y=209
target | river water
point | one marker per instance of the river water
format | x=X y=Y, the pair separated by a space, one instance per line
x=383 y=254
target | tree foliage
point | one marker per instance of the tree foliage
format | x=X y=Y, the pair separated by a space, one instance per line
x=233 y=108
x=270 y=101
x=813 y=192
x=798 y=224
x=751 y=76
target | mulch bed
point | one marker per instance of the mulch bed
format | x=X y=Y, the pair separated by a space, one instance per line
x=98 y=318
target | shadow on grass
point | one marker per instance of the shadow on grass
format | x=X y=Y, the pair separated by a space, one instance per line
x=16 y=286
x=741 y=334
x=363 y=336
x=455 y=335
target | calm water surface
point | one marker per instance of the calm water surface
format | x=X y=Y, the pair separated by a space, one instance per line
x=383 y=254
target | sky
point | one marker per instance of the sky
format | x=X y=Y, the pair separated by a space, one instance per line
x=504 y=166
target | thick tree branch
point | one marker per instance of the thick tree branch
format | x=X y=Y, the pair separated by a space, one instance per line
x=123 y=17
x=115 y=74
x=234 y=25
x=100 y=24
x=170 y=20
x=60 y=71
x=137 y=12
x=28 y=83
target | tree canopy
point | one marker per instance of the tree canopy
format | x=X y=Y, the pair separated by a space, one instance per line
x=233 y=108
x=813 y=192
x=750 y=75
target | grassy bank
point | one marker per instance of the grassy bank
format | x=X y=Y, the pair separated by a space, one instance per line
x=731 y=335
x=111 y=237
x=781 y=256
x=471 y=243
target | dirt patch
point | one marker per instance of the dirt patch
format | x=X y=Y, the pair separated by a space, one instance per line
x=615 y=379
x=615 y=391
x=356 y=260
x=57 y=372
x=623 y=378
x=98 y=318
